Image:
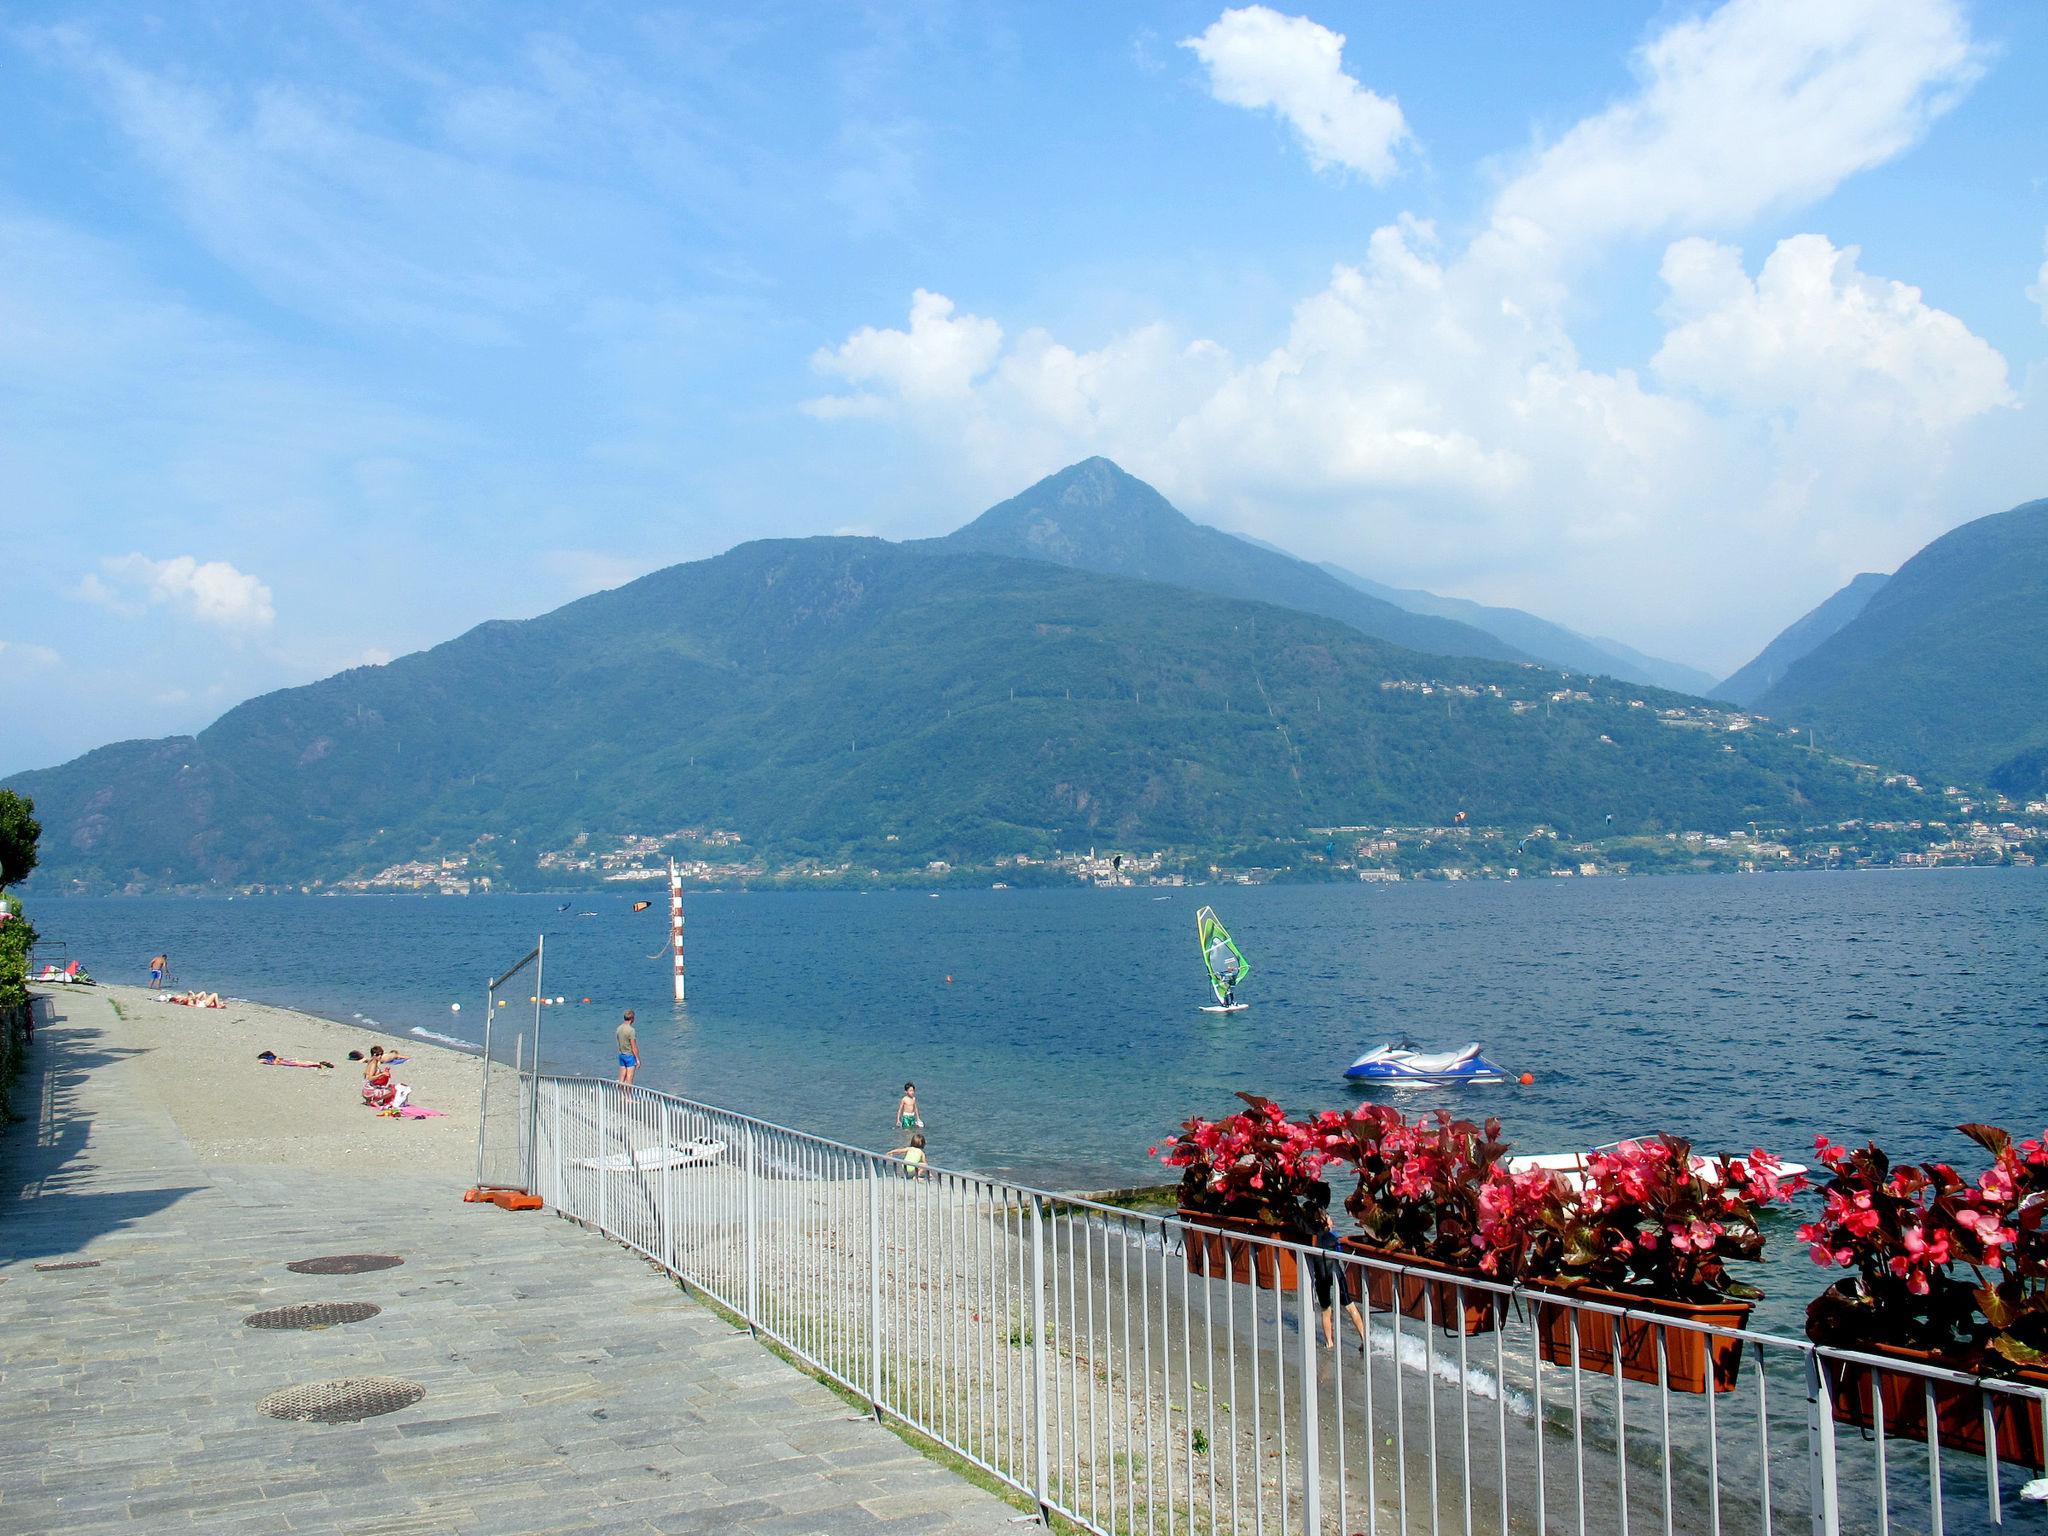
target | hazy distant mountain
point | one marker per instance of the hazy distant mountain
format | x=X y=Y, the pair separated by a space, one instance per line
x=877 y=705
x=1095 y=517
x=1946 y=668
x=1756 y=679
x=1551 y=644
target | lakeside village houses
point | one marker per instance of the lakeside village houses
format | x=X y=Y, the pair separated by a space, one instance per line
x=1959 y=830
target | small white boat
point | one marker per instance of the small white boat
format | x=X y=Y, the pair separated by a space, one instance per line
x=1571 y=1166
x=690 y=1154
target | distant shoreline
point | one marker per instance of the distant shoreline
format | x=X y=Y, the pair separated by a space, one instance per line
x=956 y=886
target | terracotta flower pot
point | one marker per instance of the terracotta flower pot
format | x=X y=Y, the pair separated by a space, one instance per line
x=1212 y=1250
x=1686 y=1351
x=1452 y=1307
x=1958 y=1410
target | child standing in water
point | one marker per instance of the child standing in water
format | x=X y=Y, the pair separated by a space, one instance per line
x=907 y=1117
x=912 y=1155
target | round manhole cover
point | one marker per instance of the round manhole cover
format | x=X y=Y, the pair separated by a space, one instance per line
x=343 y=1401
x=314 y=1314
x=345 y=1264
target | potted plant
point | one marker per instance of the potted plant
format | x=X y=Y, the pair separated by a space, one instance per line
x=1252 y=1172
x=1948 y=1273
x=1650 y=1228
x=1421 y=1201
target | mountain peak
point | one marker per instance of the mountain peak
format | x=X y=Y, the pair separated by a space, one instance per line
x=1079 y=516
x=1095 y=516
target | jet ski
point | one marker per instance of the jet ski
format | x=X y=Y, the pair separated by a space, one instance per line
x=1403 y=1064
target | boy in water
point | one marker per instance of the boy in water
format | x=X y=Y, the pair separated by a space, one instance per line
x=629 y=1049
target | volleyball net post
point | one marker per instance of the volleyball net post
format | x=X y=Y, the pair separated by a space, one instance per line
x=508 y=1092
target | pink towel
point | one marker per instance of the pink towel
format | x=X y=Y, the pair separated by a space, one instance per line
x=415 y=1112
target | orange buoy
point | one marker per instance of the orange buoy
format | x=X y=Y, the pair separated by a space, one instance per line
x=1528 y=1078
x=586 y=999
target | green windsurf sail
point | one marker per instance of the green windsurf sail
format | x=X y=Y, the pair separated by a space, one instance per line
x=1225 y=962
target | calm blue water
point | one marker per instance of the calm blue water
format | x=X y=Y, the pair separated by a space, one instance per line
x=1732 y=1010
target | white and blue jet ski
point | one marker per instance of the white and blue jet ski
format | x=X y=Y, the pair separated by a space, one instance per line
x=1403 y=1065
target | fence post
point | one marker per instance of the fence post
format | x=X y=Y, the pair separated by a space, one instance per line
x=603 y=1159
x=753 y=1295
x=1820 y=1448
x=1311 y=1448
x=875 y=1289
x=665 y=1224
x=555 y=1097
x=1041 y=1483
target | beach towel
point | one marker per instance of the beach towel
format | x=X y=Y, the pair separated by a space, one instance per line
x=418 y=1112
x=272 y=1059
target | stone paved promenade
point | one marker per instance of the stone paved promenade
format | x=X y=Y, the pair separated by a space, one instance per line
x=569 y=1387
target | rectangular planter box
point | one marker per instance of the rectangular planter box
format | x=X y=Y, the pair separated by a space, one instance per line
x=1213 y=1250
x=1686 y=1351
x=1958 y=1410
x=1452 y=1307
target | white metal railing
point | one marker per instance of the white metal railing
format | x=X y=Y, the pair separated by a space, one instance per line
x=1066 y=1348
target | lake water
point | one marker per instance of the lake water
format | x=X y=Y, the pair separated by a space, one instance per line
x=1736 y=1011
x=1733 y=1010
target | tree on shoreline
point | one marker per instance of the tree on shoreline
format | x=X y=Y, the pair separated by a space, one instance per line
x=19 y=831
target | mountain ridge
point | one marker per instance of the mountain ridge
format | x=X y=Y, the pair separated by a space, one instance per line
x=1552 y=644
x=1945 y=669
x=848 y=704
x=1814 y=628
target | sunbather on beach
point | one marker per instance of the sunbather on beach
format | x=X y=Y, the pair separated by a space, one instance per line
x=379 y=1091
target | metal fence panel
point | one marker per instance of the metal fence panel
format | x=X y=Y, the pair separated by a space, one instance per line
x=1135 y=1374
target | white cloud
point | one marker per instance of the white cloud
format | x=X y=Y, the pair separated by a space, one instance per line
x=1812 y=333
x=2039 y=292
x=1427 y=415
x=316 y=202
x=939 y=357
x=1424 y=417
x=1260 y=59
x=21 y=653
x=1757 y=106
x=212 y=591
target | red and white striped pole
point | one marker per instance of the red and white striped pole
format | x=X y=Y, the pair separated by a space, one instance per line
x=675 y=921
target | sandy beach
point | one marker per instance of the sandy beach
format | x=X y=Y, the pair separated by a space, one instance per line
x=200 y=1065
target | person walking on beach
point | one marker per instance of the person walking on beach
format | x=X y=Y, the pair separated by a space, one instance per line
x=907 y=1117
x=629 y=1049
x=158 y=966
x=1331 y=1276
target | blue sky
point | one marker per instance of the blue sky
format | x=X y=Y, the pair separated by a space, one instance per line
x=329 y=331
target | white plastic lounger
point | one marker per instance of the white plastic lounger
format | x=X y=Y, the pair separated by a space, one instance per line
x=1571 y=1166
x=690 y=1154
